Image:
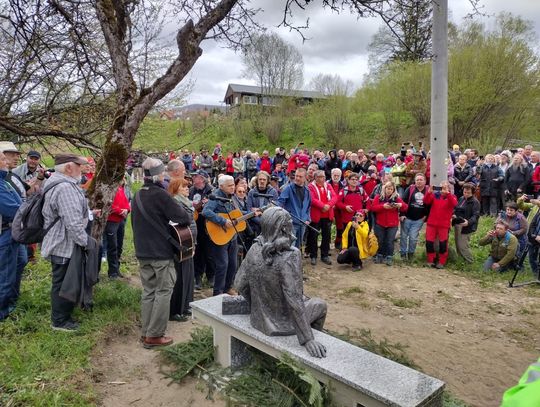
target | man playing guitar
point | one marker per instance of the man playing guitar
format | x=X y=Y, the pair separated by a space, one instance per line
x=222 y=257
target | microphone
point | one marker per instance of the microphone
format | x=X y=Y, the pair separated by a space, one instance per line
x=218 y=198
x=258 y=195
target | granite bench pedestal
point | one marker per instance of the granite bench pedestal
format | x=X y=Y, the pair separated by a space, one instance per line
x=356 y=377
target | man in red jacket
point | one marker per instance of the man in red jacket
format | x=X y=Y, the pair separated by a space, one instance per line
x=439 y=221
x=119 y=211
x=323 y=199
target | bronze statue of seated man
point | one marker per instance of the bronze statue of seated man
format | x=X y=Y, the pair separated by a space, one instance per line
x=270 y=279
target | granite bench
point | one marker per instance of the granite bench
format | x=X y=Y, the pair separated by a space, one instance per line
x=356 y=377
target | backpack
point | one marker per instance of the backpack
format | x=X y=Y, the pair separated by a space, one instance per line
x=27 y=226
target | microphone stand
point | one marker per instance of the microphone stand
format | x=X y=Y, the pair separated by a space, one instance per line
x=272 y=201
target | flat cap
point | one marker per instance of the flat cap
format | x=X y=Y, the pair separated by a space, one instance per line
x=64 y=158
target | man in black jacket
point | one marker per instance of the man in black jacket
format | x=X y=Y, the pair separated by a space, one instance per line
x=465 y=221
x=152 y=210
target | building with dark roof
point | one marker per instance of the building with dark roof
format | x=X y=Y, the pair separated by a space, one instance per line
x=237 y=95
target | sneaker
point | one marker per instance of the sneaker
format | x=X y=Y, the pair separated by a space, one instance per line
x=378 y=259
x=326 y=260
x=439 y=266
x=389 y=260
x=356 y=267
x=430 y=265
x=313 y=261
x=103 y=259
x=68 y=326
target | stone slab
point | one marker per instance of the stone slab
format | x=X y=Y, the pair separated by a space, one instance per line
x=379 y=378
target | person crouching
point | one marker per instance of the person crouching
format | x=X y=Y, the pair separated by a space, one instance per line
x=355 y=241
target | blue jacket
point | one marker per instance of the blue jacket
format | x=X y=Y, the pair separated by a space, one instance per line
x=290 y=202
x=212 y=208
x=188 y=161
x=9 y=199
x=259 y=202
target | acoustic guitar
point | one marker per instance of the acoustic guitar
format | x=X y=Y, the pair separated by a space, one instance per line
x=222 y=235
x=183 y=236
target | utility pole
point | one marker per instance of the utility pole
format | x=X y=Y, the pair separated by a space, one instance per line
x=439 y=93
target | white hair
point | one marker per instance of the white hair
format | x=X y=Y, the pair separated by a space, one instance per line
x=336 y=171
x=224 y=179
x=60 y=168
x=150 y=163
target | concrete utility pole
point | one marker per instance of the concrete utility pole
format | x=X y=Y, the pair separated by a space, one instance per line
x=439 y=93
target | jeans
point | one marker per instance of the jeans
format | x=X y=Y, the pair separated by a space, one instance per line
x=325 y=227
x=61 y=308
x=9 y=250
x=490 y=261
x=385 y=237
x=223 y=259
x=299 y=233
x=111 y=239
x=410 y=230
x=120 y=238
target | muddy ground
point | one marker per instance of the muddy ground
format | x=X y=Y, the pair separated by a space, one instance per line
x=477 y=337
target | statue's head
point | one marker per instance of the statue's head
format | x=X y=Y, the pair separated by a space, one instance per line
x=276 y=232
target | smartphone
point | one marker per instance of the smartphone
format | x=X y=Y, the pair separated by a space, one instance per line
x=420 y=144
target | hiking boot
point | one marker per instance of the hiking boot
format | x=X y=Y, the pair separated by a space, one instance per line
x=432 y=265
x=156 y=341
x=410 y=256
x=439 y=266
x=389 y=260
x=326 y=260
x=378 y=259
x=68 y=326
x=313 y=261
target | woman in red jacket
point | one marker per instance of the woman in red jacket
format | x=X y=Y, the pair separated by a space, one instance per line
x=119 y=211
x=442 y=204
x=386 y=207
x=229 y=163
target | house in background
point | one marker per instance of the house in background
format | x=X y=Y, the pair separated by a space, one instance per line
x=237 y=95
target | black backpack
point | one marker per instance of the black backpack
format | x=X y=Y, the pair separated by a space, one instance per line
x=28 y=224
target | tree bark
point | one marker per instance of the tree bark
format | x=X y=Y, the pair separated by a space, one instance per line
x=132 y=107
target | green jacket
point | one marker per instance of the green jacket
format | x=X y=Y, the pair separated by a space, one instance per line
x=503 y=250
x=527 y=392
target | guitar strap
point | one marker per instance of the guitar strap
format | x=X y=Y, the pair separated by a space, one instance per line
x=155 y=224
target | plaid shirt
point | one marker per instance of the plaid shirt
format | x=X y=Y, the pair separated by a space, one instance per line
x=68 y=202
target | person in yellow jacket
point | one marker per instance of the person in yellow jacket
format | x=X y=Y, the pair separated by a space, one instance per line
x=355 y=242
x=527 y=392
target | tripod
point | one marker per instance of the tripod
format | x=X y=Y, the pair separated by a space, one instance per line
x=519 y=267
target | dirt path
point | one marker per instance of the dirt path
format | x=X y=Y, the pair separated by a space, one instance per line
x=477 y=339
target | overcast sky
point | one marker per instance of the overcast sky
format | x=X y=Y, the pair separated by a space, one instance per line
x=337 y=44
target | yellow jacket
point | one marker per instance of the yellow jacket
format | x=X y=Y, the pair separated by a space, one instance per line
x=362 y=239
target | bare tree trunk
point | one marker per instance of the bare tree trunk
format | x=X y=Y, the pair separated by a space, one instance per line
x=132 y=107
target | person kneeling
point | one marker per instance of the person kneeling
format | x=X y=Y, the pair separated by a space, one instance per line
x=355 y=242
x=504 y=246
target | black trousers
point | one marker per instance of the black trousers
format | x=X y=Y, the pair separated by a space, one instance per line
x=350 y=256
x=325 y=227
x=61 y=308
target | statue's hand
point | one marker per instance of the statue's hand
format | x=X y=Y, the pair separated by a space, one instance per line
x=316 y=349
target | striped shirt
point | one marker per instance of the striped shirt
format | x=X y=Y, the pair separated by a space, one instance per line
x=67 y=201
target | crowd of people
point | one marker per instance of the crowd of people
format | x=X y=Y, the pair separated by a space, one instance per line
x=369 y=197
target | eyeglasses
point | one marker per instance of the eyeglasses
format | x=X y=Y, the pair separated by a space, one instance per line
x=240 y=192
